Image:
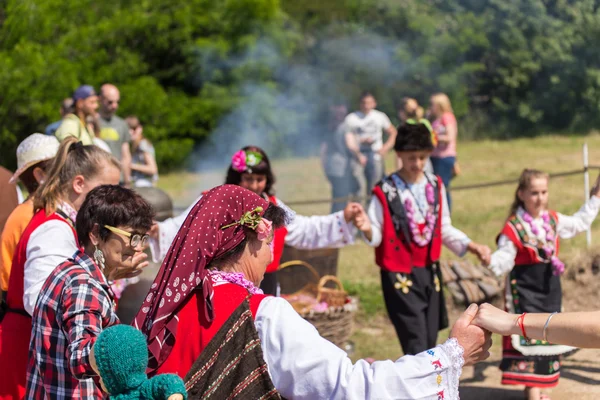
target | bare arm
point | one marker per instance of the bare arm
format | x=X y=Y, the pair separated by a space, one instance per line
x=126 y=162
x=353 y=146
x=149 y=168
x=389 y=143
x=577 y=329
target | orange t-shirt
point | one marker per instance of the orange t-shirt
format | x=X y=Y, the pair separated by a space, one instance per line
x=13 y=229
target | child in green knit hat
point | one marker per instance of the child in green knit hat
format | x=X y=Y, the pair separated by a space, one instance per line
x=120 y=357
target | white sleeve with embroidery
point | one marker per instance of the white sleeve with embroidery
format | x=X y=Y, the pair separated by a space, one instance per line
x=454 y=239
x=318 y=231
x=303 y=365
x=503 y=259
x=375 y=213
x=569 y=226
x=167 y=230
x=49 y=245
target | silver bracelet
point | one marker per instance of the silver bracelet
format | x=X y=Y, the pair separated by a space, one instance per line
x=546 y=326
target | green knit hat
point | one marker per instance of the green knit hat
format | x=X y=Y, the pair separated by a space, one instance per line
x=121 y=355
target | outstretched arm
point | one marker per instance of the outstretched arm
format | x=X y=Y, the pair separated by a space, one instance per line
x=303 y=365
x=577 y=329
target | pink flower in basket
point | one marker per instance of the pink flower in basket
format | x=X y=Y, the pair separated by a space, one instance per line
x=264 y=229
x=320 y=307
x=238 y=161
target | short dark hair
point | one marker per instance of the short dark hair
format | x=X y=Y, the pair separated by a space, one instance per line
x=262 y=168
x=28 y=179
x=112 y=205
x=365 y=94
x=273 y=213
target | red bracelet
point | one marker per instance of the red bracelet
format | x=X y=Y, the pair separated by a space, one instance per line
x=521 y=321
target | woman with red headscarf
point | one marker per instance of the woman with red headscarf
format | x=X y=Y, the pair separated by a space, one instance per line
x=251 y=169
x=206 y=320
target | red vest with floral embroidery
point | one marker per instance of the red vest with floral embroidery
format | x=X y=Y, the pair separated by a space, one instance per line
x=527 y=248
x=393 y=254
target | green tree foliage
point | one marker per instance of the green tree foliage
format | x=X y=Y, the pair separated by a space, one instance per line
x=150 y=49
x=263 y=71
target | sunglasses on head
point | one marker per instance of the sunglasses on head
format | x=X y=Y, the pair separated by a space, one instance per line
x=135 y=239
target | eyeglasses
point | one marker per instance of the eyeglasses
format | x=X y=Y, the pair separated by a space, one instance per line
x=135 y=239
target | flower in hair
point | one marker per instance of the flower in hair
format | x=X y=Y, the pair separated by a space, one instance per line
x=238 y=161
x=245 y=160
x=253 y=220
x=264 y=229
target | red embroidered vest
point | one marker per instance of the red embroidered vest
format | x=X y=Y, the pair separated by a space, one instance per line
x=393 y=254
x=16 y=289
x=194 y=332
x=278 y=243
x=527 y=250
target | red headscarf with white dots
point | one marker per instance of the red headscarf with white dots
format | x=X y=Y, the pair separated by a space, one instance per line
x=200 y=239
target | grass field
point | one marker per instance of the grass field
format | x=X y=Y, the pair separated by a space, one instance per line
x=480 y=213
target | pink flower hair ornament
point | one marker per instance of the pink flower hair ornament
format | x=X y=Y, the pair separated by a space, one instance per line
x=243 y=161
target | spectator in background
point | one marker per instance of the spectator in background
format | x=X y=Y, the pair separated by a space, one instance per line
x=85 y=103
x=144 y=171
x=113 y=129
x=65 y=108
x=94 y=126
x=411 y=110
x=444 y=124
x=369 y=124
x=337 y=158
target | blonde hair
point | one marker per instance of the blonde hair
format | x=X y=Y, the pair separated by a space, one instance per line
x=72 y=159
x=524 y=181
x=443 y=102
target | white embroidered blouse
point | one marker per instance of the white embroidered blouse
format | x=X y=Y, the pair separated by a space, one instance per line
x=314 y=232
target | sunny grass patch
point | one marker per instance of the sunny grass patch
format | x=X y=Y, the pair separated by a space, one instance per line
x=480 y=213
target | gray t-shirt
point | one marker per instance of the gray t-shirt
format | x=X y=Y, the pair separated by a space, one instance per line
x=338 y=156
x=114 y=132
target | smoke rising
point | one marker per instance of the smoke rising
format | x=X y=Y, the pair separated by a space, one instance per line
x=288 y=114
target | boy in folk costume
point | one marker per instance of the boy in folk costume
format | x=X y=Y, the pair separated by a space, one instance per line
x=407 y=222
x=528 y=252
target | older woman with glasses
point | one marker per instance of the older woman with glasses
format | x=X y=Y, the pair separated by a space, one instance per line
x=76 y=302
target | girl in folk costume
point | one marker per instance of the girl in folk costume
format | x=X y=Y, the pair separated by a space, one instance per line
x=251 y=169
x=48 y=240
x=528 y=252
x=207 y=321
x=407 y=222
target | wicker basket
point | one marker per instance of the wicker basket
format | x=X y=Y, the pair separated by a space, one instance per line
x=311 y=289
x=334 y=323
x=333 y=297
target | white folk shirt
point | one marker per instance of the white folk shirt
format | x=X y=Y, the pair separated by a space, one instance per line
x=303 y=365
x=454 y=239
x=370 y=126
x=503 y=259
x=49 y=245
x=304 y=233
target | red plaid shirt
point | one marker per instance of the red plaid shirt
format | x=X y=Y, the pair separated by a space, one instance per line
x=73 y=307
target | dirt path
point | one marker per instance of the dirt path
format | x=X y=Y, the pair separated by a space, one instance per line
x=580 y=380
